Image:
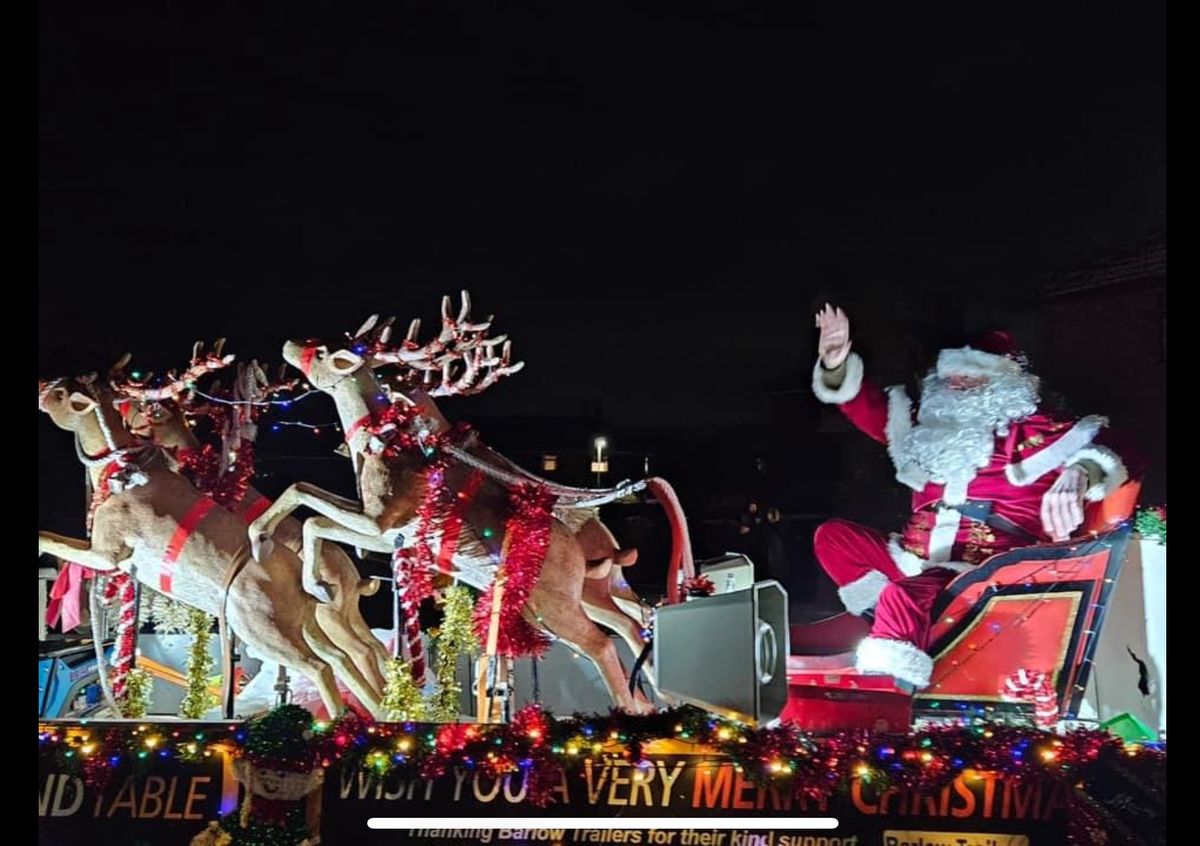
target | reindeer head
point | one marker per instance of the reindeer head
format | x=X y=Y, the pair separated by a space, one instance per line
x=323 y=369
x=69 y=402
x=160 y=413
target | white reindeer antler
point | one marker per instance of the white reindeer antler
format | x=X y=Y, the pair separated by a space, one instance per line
x=436 y=365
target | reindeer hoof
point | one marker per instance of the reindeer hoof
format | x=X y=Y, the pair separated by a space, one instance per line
x=319 y=590
x=261 y=547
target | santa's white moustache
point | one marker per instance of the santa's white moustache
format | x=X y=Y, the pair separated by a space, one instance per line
x=956 y=429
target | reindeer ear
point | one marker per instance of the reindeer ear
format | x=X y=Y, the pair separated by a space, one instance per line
x=81 y=403
x=343 y=362
x=342 y=450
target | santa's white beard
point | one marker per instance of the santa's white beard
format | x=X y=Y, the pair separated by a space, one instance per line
x=956 y=430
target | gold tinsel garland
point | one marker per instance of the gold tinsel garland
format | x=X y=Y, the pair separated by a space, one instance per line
x=457 y=636
x=198 y=700
x=402 y=700
x=137 y=693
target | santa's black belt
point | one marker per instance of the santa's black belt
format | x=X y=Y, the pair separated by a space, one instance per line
x=980 y=510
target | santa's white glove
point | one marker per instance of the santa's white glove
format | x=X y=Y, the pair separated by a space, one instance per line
x=1062 y=506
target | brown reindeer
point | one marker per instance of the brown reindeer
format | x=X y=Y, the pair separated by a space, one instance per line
x=151 y=509
x=392 y=485
x=164 y=414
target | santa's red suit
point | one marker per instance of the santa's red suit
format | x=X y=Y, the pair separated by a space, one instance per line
x=976 y=491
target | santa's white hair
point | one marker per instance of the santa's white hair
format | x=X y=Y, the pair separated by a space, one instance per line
x=956 y=429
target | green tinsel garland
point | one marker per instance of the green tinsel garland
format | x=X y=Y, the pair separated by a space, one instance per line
x=1151 y=524
x=457 y=635
x=280 y=740
x=197 y=701
x=293 y=832
x=137 y=694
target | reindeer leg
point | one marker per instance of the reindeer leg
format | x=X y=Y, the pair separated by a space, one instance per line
x=317 y=529
x=343 y=667
x=76 y=551
x=572 y=626
x=346 y=638
x=343 y=511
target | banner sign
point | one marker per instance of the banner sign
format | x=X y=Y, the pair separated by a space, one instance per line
x=166 y=801
x=974 y=810
x=165 y=804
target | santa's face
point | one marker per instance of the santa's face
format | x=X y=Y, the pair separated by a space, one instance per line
x=958 y=419
x=966 y=383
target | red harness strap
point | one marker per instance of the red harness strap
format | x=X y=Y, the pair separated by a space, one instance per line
x=255 y=511
x=306 y=360
x=455 y=520
x=182 y=532
x=355 y=426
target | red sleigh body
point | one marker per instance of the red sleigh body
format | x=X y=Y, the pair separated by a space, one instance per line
x=1038 y=608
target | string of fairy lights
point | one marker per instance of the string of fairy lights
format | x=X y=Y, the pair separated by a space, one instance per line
x=544 y=749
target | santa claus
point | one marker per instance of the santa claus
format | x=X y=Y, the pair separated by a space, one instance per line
x=989 y=470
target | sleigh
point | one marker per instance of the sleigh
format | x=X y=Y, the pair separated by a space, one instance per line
x=1026 y=616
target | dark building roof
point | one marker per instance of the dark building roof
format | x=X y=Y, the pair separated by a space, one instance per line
x=1146 y=263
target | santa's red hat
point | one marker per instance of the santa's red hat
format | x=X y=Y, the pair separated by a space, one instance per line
x=993 y=354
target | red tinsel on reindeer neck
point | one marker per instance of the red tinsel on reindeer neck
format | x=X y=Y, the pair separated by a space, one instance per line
x=202 y=467
x=527 y=532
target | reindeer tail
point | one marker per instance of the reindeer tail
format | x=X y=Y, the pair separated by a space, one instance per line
x=681 y=544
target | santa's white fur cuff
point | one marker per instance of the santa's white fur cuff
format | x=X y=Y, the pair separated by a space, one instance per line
x=896 y=658
x=1115 y=472
x=851 y=381
x=862 y=593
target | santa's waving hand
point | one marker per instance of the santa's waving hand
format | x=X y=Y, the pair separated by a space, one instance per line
x=989 y=470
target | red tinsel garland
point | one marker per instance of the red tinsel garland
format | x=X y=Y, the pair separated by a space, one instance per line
x=103 y=492
x=527 y=539
x=436 y=505
x=202 y=467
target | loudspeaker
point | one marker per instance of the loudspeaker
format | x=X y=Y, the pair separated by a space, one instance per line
x=727 y=653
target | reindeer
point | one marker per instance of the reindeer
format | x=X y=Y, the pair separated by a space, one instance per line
x=151 y=509
x=393 y=485
x=162 y=415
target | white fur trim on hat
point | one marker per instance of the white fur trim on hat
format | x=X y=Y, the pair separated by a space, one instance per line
x=971 y=362
x=862 y=593
x=851 y=381
x=896 y=658
x=1115 y=472
x=1058 y=454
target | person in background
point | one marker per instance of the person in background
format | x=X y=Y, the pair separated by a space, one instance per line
x=776 y=545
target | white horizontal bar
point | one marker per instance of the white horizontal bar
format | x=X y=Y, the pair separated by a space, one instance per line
x=605 y=823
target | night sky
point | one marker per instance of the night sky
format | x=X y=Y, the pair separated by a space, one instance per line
x=651 y=205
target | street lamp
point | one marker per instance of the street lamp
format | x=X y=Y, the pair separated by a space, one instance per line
x=600 y=463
